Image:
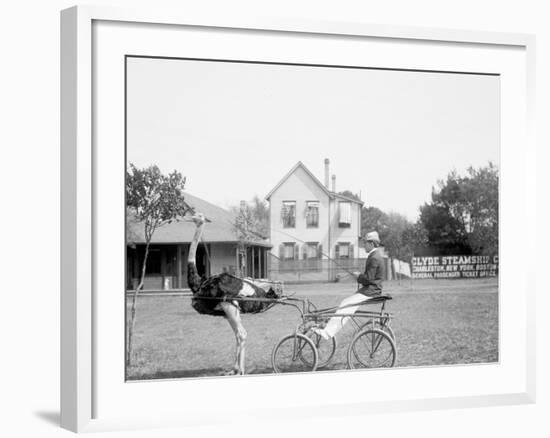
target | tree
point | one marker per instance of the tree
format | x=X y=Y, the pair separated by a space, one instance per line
x=374 y=219
x=398 y=235
x=463 y=214
x=154 y=200
x=445 y=233
x=132 y=236
x=260 y=212
x=350 y=194
x=399 y=239
x=251 y=224
x=481 y=195
x=414 y=237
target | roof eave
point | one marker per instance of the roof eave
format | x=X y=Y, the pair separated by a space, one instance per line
x=337 y=195
x=290 y=172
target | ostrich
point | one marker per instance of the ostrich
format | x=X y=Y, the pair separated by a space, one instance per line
x=225 y=286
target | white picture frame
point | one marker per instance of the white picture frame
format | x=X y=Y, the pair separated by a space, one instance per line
x=82 y=369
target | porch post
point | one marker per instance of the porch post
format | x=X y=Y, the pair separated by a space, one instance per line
x=254 y=262
x=178 y=266
x=208 y=249
x=252 y=270
x=260 y=264
x=238 y=266
x=163 y=267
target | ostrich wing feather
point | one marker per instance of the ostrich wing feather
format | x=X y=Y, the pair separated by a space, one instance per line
x=225 y=286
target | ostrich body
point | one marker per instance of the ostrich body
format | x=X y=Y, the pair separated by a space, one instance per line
x=224 y=287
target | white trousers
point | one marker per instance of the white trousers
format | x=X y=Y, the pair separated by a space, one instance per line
x=336 y=323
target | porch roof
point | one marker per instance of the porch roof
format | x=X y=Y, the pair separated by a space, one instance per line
x=219 y=230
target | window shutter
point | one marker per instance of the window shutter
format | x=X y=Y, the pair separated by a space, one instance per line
x=296 y=252
x=337 y=251
x=320 y=251
x=304 y=251
x=281 y=251
x=345 y=212
x=351 y=253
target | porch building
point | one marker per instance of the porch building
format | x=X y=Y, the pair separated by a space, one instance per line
x=219 y=251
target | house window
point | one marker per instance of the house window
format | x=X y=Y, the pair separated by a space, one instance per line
x=289 y=249
x=344 y=214
x=312 y=253
x=288 y=213
x=312 y=250
x=343 y=251
x=312 y=214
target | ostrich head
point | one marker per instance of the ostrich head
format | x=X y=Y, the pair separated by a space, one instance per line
x=196 y=218
x=273 y=293
x=276 y=289
x=273 y=289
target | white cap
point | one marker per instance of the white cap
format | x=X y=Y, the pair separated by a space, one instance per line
x=372 y=236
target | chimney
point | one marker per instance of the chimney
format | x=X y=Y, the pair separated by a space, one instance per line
x=326 y=172
x=334 y=183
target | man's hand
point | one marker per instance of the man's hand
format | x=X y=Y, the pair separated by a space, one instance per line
x=361 y=279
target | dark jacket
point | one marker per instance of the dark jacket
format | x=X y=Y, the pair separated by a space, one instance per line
x=371 y=280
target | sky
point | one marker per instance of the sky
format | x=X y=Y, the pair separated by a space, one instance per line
x=235 y=129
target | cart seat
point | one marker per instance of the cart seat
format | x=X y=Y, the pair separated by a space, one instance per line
x=379 y=299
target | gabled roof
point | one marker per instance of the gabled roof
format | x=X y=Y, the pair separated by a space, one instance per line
x=219 y=228
x=290 y=172
x=299 y=164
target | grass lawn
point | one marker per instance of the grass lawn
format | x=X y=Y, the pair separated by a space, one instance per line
x=435 y=322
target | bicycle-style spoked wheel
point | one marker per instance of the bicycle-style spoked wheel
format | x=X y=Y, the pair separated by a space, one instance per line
x=325 y=348
x=372 y=348
x=293 y=354
x=377 y=325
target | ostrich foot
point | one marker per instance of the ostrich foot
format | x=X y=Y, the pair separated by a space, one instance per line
x=234 y=372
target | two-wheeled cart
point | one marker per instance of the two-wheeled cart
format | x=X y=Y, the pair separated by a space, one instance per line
x=372 y=345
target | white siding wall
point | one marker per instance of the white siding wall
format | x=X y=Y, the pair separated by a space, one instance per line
x=345 y=234
x=301 y=188
x=298 y=187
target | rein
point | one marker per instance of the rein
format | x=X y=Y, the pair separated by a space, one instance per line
x=322 y=253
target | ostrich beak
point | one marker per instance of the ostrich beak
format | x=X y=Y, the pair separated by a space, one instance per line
x=193 y=217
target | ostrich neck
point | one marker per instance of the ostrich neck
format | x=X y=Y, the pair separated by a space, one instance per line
x=195 y=243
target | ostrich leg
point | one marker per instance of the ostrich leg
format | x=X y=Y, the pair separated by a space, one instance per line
x=234 y=317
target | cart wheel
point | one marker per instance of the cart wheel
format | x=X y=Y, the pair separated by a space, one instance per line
x=372 y=348
x=325 y=349
x=379 y=326
x=293 y=354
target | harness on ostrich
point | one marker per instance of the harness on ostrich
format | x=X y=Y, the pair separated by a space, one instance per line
x=247 y=294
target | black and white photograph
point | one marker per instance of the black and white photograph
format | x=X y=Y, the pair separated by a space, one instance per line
x=292 y=218
x=288 y=218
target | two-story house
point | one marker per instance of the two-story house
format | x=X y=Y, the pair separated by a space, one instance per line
x=311 y=224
